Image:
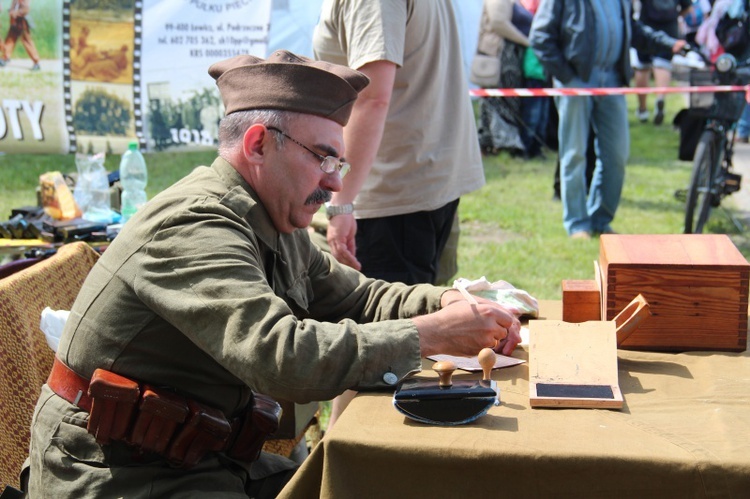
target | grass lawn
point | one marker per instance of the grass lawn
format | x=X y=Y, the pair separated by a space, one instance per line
x=511 y=229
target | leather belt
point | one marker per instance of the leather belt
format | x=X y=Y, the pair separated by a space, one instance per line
x=69 y=385
x=181 y=430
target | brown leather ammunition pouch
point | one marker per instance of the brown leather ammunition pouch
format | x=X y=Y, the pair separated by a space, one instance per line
x=259 y=421
x=206 y=430
x=113 y=402
x=163 y=422
x=160 y=412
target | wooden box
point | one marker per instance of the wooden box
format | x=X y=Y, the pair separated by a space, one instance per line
x=696 y=286
x=581 y=301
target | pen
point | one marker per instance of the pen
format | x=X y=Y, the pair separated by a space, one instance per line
x=465 y=293
x=470 y=299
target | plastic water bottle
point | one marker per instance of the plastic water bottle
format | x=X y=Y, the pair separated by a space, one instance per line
x=133 y=178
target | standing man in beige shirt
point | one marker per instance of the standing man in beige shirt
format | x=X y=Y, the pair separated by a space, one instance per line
x=411 y=140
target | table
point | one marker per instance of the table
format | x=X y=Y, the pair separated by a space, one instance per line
x=684 y=432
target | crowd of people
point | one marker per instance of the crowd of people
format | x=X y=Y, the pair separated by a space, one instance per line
x=526 y=126
x=590 y=134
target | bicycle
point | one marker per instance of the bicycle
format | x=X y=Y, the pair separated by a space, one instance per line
x=712 y=177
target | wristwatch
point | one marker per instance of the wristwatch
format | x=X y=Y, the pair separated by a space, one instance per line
x=342 y=209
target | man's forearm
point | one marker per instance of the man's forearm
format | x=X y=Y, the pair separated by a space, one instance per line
x=363 y=133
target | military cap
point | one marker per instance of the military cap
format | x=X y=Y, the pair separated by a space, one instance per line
x=288 y=82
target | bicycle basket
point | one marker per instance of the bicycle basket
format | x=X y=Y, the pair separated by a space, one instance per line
x=701 y=101
x=714 y=105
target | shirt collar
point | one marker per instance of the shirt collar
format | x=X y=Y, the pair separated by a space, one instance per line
x=256 y=215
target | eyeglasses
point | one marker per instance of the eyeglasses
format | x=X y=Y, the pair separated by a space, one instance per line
x=328 y=164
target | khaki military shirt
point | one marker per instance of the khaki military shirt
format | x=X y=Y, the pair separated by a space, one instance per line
x=200 y=293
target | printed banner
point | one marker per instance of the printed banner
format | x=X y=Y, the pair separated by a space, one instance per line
x=180 y=41
x=93 y=75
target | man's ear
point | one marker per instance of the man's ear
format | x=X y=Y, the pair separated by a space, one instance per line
x=253 y=142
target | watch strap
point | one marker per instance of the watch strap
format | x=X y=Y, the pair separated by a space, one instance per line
x=340 y=209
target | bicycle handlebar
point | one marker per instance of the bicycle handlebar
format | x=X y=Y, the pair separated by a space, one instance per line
x=687 y=48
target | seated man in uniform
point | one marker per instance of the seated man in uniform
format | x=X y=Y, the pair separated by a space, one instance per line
x=213 y=294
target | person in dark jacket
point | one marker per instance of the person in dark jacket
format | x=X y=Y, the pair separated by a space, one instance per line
x=585 y=44
x=659 y=15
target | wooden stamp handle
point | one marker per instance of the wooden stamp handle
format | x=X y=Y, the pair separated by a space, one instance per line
x=445 y=369
x=486 y=359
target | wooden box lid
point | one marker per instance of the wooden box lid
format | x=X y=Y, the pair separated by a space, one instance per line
x=670 y=250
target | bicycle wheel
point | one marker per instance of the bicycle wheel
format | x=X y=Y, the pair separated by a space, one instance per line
x=700 y=195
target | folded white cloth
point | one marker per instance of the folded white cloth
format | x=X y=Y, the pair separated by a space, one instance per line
x=52 y=324
x=501 y=292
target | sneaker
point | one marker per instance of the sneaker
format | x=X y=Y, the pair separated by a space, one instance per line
x=642 y=115
x=581 y=234
x=659 y=113
x=36 y=67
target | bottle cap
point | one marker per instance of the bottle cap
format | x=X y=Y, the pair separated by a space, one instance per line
x=133 y=146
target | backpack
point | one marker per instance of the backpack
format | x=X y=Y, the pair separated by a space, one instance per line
x=732 y=32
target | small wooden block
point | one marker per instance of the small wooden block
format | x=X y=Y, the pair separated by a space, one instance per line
x=581 y=300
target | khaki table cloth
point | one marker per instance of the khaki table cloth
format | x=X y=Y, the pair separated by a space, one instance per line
x=684 y=432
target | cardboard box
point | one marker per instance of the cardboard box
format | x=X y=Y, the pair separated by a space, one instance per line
x=581 y=301
x=696 y=286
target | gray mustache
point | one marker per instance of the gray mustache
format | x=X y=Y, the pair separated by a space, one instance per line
x=320 y=196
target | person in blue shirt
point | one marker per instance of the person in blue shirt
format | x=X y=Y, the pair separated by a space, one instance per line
x=586 y=44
